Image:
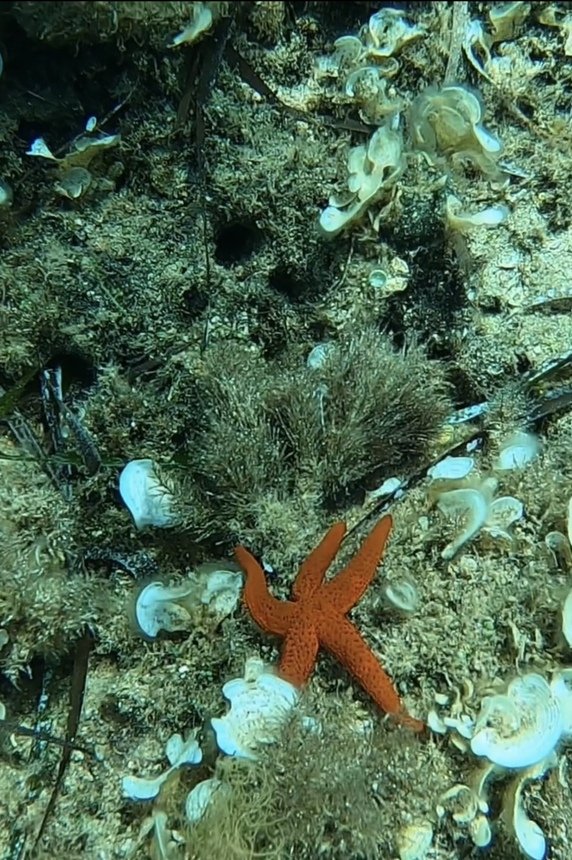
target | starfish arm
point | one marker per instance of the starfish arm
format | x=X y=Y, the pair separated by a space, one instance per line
x=311 y=574
x=299 y=653
x=344 y=642
x=350 y=585
x=272 y=615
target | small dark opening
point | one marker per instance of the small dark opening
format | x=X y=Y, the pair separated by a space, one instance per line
x=235 y=243
x=78 y=370
x=194 y=302
x=288 y=283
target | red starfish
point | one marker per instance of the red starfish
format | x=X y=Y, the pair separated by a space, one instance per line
x=316 y=615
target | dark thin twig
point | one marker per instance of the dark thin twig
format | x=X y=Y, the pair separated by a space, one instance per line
x=77 y=691
x=211 y=59
x=15 y=728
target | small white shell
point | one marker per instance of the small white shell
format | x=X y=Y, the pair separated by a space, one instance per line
x=140 y=788
x=503 y=512
x=462 y=724
x=505 y=19
x=389 y=486
x=182 y=751
x=559 y=546
x=467 y=502
x=414 y=841
x=333 y=220
x=202 y=21
x=451 y=469
x=179 y=752
x=402 y=595
x=389 y=32
x=260 y=705
x=318 y=355
x=517 y=452
x=148 y=499
x=347 y=49
x=480 y=782
x=436 y=723
x=200 y=797
x=363 y=82
x=567 y=619
x=74 y=183
x=385 y=151
x=475 y=36
x=6 y=194
x=561 y=686
x=464 y=102
x=40 y=149
x=489 y=142
x=156 y=608
x=520 y=728
x=85 y=148
x=461 y=802
x=465 y=221
x=528 y=834
x=221 y=591
x=480 y=831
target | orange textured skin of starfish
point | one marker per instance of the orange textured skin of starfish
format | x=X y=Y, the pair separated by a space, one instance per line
x=316 y=615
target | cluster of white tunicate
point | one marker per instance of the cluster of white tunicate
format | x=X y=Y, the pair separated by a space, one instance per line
x=443 y=122
x=208 y=592
x=373 y=171
x=449 y=121
x=260 y=705
x=472 y=500
x=517 y=733
x=73 y=176
x=504 y=20
x=479 y=510
x=180 y=752
x=365 y=63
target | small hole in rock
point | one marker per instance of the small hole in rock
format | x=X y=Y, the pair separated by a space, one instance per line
x=78 y=371
x=194 y=302
x=236 y=242
x=288 y=283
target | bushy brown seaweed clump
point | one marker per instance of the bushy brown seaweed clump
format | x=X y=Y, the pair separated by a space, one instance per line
x=277 y=445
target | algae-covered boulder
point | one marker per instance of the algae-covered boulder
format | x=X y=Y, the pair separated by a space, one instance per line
x=61 y=23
